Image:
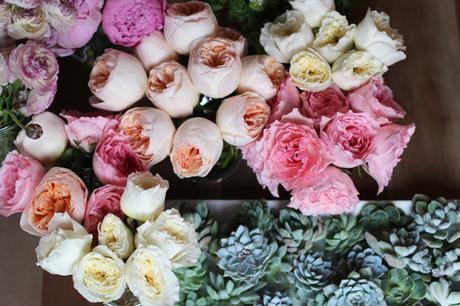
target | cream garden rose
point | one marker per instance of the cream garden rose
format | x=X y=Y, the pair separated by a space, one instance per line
x=310 y=72
x=356 y=68
x=115 y=235
x=176 y=237
x=153 y=50
x=144 y=196
x=242 y=118
x=313 y=10
x=100 y=276
x=287 y=35
x=197 y=147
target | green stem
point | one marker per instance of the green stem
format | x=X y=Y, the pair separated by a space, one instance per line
x=15 y=119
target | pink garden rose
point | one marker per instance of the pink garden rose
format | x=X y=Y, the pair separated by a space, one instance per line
x=102 y=201
x=126 y=22
x=376 y=99
x=332 y=193
x=19 y=176
x=114 y=159
x=285 y=101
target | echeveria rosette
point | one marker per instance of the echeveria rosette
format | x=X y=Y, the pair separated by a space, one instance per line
x=446 y=263
x=276 y=299
x=366 y=262
x=442 y=293
x=377 y=217
x=223 y=291
x=192 y=279
x=342 y=233
x=258 y=215
x=400 y=288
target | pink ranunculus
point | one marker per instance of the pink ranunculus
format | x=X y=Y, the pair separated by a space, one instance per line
x=288 y=153
x=285 y=101
x=331 y=193
x=348 y=138
x=376 y=99
x=102 y=201
x=84 y=132
x=114 y=159
x=386 y=150
x=19 y=176
x=323 y=103
x=27 y=4
x=126 y=22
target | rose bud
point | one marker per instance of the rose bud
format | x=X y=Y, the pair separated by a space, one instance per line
x=242 y=118
x=356 y=68
x=239 y=40
x=375 y=35
x=197 y=147
x=310 y=72
x=187 y=22
x=28 y=24
x=287 y=35
x=60 y=191
x=313 y=10
x=150 y=132
x=118 y=80
x=153 y=50
x=43 y=139
x=144 y=196
x=116 y=235
x=261 y=74
x=171 y=89
x=215 y=67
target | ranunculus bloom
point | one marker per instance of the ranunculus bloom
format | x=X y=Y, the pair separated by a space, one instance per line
x=171 y=89
x=215 y=67
x=153 y=50
x=59 y=14
x=323 y=103
x=332 y=193
x=126 y=22
x=102 y=201
x=28 y=24
x=261 y=74
x=242 y=118
x=313 y=10
x=28 y=4
x=84 y=131
x=376 y=99
x=116 y=235
x=386 y=151
x=285 y=101
x=118 y=80
x=60 y=191
x=188 y=22
x=19 y=176
x=197 y=147
x=348 y=138
x=239 y=40
x=310 y=72
x=288 y=153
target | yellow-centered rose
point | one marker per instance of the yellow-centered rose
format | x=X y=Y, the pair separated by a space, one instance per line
x=115 y=235
x=310 y=72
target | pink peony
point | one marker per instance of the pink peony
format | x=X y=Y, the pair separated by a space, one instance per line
x=285 y=101
x=114 y=159
x=126 y=22
x=376 y=99
x=288 y=153
x=386 y=150
x=19 y=176
x=348 y=138
x=332 y=193
x=102 y=201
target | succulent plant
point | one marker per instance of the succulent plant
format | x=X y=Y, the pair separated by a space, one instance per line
x=277 y=299
x=298 y=232
x=400 y=288
x=342 y=233
x=377 y=217
x=357 y=291
x=446 y=264
x=228 y=292
x=192 y=279
x=195 y=299
x=421 y=261
x=441 y=293
x=257 y=215
x=366 y=262
x=244 y=255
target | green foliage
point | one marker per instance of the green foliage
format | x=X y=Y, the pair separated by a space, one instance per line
x=400 y=288
x=342 y=233
x=375 y=217
x=278 y=299
x=192 y=279
x=257 y=215
x=227 y=292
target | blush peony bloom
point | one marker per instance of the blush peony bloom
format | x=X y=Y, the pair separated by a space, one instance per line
x=114 y=159
x=240 y=42
x=102 y=201
x=286 y=100
x=313 y=10
x=332 y=193
x=19 y=176
x=376 y=99
x=126 y=22
x=153 y=50
x=60 y=191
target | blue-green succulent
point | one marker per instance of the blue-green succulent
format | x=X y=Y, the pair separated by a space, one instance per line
x=366 y=262
x=276 y=299
x=342 y=233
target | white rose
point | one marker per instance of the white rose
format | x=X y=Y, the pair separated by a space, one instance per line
x=240 y=42
x=118 y=80
x=115 y=235
x=28 y=24
x=310 y=72
x=261 y=74
x=287 y=35
x=375 y=35
x=171 y=89
x=356 y=68
x=64 y=246
x=44 y=138
x=150 y=132
x=176 y=237
x=313 y=10
x=144 y=196
x=153 y=50
x=100 y=276
x=335 y=37
x=150 y=278
x=197 y=147
x=242 y=118
x=187 y=22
